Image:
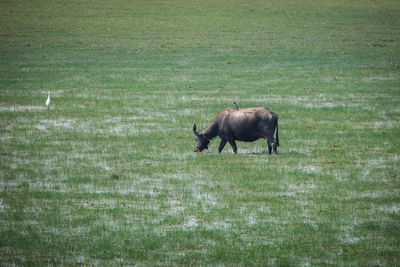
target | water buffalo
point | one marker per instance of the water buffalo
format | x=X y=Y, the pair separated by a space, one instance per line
x=242 y=124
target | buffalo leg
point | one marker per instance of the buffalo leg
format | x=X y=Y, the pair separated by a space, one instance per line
x=269 y=148
x=221 y=145
x=233 y=144
x=272 y=145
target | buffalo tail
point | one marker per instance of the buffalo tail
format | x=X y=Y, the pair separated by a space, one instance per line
x=277 y=131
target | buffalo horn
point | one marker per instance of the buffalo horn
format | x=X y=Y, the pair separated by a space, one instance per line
x=194 y=127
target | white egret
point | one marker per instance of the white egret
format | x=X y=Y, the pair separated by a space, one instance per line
x=48 y=100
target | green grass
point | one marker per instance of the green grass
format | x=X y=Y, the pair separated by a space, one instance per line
x=107 y=175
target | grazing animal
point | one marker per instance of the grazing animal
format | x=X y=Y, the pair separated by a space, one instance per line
x=246 y=124
x=48 y=100
x=236 y=107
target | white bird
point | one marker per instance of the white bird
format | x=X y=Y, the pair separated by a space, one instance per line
x=48 y=100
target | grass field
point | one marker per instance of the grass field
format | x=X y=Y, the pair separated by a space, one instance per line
x=107 y=175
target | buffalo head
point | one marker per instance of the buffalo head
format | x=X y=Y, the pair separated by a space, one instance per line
x=202 y=141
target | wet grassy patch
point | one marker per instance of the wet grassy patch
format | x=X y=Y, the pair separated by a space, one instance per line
x=107 y=176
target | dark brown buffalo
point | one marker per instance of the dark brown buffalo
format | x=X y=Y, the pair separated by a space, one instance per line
x=242 y=124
